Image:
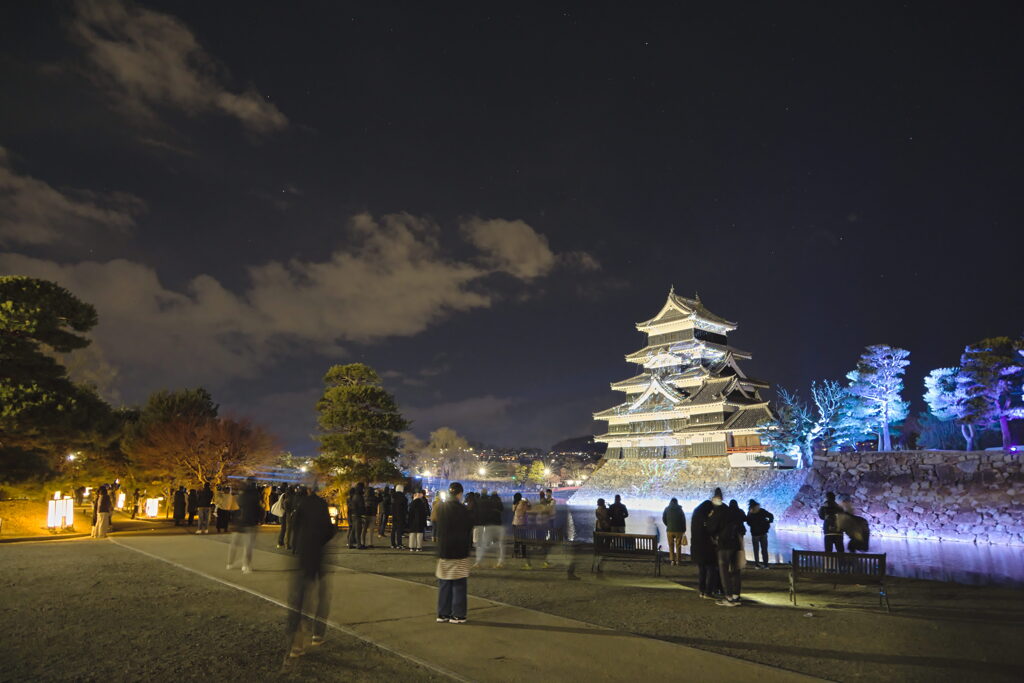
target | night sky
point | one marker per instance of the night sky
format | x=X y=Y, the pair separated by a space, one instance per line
x=480 y=201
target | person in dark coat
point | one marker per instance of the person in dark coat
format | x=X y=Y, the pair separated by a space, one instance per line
x=383 y=511
x=829 y=515
x=312 y=531
x=180 y=506
x=674 y=520
x=356 y=513
x=725 y=525
x=419 y=513
x=399 y=517
x=193 y=506
x=617 y=514
x=455 y=537
x=246 y=520
x=204 y=506
x=702 y=548
x=371 y=504
x=136 y=497
x=760 y=521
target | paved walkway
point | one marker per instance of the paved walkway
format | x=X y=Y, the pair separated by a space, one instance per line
x=500 y=642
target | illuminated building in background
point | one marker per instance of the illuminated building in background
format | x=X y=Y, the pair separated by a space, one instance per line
x=690 y=398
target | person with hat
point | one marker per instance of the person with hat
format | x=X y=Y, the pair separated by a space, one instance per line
x=455 y=535
x=760 y=521
x=829 y=514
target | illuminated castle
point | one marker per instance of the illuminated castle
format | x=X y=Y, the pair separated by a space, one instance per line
x=691 y=398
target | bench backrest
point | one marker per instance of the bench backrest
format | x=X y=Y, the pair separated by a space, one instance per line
x=624 y=543
x=808 y=562
x=535 y=533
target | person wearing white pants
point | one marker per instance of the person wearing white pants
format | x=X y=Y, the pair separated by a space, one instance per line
x=104 y=508
x=492 y=529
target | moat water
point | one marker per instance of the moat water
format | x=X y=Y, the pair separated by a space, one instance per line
x=958 y=562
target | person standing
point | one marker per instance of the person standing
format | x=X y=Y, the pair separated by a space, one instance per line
x=456 y=532
x=283 y=502
x=419 y=513
x=356 y=514
x=312 y=531
x=371 y=504
x=675 y=528
x=247 y=521
x=829 y=514
x=520 y=524
x=760 y=521
x=399 y=516
x=602 y=520
x=702 y=548
x=724 y=525
x=617 y=515
x=104 y=508
x=192 y=504
x=204 y=503
x=384 y=511
x=136 y=497
x=179 y=506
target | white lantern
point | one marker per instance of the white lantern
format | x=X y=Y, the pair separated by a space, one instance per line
x=152 y=507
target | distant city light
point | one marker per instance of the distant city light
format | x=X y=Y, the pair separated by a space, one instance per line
x=482 y=471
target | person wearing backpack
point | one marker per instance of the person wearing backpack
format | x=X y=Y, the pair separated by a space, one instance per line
x=829 y=514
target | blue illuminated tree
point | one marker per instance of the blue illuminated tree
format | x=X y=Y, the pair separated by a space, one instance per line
x=876 y=384
x=946 y=396
x=790 y=431
x=835 y=423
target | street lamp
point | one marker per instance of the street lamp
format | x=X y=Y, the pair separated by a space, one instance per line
x=482 y=471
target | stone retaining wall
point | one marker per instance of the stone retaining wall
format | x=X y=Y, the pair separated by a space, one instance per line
x=648 y=484
x=951 y=495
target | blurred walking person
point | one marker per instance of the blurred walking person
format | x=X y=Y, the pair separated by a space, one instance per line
x=456 y=534
x=136 y=497
x=312 y=529
x=204 y=505
x=104 y=508
x=419 y=513
x=247 y=521
x=675 y=528
x=491 y=508
x=383 y=511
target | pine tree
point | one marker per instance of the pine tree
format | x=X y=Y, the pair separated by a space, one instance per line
x=877 y=383
x=946 y=396
x=834 y=424
x=360 y=426
x=789 y=433
x=991 y=370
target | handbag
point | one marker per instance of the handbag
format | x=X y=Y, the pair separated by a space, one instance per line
x=683 y=540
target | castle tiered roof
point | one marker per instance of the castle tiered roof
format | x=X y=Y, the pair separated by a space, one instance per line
x=690 y=397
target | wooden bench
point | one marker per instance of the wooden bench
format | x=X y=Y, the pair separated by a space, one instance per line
x=625 y=547
x=837 y=568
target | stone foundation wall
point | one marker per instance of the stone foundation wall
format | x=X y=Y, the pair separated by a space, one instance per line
x=952 y=495
x=648 y=484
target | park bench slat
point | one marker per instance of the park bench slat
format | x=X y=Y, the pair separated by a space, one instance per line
x=836 y=568
x=627 y=547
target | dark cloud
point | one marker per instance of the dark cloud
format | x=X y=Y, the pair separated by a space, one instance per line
x=145 y=59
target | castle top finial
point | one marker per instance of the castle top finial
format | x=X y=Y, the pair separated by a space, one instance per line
x=671 y=290
x=696 y=297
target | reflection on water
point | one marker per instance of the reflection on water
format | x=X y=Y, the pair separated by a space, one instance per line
x=941 y=561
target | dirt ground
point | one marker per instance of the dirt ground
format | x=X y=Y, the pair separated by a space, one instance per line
x=89 y=610
x=937 y=631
